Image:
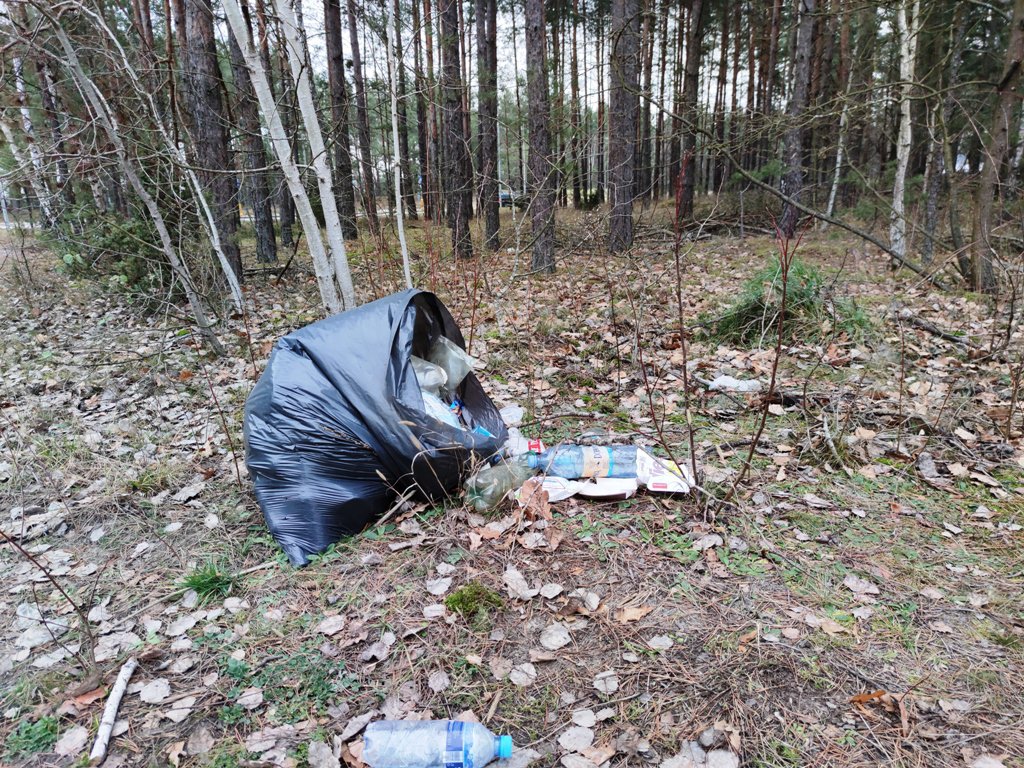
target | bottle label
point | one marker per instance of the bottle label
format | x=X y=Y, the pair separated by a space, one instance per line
x=596 y=461
x=453 y=753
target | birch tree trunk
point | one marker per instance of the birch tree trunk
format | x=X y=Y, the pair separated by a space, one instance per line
x=399 y=212
x=298 y=58
x=541 y=194
x=844 y=120
x=908 y=34
x=37 y=177
x=322 y=266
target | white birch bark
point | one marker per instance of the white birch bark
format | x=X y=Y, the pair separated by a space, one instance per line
x=282 y=149
x=106 y=118
x=295 y=37
x=908 y=30
x=399 y=210
x=844 y=119
x=37 y=179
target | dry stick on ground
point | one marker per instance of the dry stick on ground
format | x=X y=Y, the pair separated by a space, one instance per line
x=787 y=250
x=99 y=747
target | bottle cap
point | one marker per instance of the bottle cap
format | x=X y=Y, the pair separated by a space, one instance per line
x=504 y=747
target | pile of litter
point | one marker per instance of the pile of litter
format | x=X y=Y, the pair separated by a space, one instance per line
x=380 y=404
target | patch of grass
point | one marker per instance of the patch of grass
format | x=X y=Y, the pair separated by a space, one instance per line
x=811 y=310
x=474 y=602
x=210 y=581
x=31 y=738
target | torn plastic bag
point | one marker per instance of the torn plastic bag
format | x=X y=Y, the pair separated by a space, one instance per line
x=335 y=429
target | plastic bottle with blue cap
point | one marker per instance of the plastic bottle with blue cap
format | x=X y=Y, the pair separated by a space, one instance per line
x=432 y=744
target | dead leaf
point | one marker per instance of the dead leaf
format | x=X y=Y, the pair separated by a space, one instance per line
x=516 y=585
x=174 y=753
x=555 y=636
x=72 y=741
x=606 y=682
x=632 y=613
x=940 y=626
x=438 y=681
x=331 y=625
x=534 y=500
x=523 y=674
x=155 y=691
x=576 y=738
x=859 y=586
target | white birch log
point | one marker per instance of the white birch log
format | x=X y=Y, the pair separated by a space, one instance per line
x=282 y=149
x=295 y=37
x=99 y=747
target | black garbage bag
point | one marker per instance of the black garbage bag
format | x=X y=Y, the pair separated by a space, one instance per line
x=335 y=428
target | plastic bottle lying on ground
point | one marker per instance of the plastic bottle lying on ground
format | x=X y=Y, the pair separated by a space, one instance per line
x=432 y=744
x=576 y=461
x=486 y=489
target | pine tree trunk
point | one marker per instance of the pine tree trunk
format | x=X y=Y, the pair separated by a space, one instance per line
x=458 y=185
x=422 y=129
x=657 y=180
x=208 y=125
x=487 y=121
x=541 y=187
x=643 y=187
x=624 y=66
x=691 y=91
x=255 y=189
x=363 y=126
x=432 y=182
x=793 y=178
x=983 y=255
x=602 y=115
x=404 y=161
x=344 y=192
x=575 y=142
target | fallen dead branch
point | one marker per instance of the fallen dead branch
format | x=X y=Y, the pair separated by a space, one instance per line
x=99 y=747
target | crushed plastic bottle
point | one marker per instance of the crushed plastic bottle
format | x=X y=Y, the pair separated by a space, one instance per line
x=453 y=359
x=486 y=489
x=432 y=744
x=575 y=461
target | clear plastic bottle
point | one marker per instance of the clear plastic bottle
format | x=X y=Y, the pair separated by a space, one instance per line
x=576 y=461
x=432 y=744
x=486 y=489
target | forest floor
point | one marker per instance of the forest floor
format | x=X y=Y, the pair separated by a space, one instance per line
x=859 y=602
